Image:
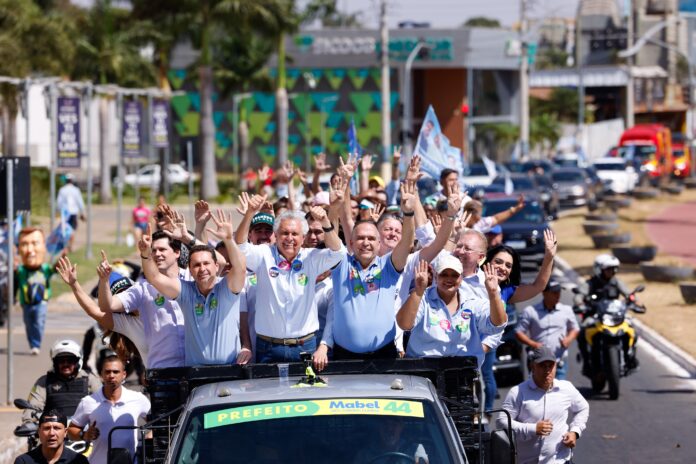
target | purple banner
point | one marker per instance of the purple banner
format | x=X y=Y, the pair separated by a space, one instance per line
x=132 y=129
x=68 y=139
x=160 y=123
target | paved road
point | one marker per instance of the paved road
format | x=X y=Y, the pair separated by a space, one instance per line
x=652 y=421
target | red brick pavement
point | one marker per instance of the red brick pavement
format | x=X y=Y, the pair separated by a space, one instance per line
x=674 y=231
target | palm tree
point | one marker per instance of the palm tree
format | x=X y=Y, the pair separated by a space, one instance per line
x=31 y=41
x=110 y=54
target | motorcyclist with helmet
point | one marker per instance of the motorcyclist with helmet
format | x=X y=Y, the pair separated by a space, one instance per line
x=62 y=387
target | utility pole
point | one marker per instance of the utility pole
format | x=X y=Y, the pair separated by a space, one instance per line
x=524 y=82
x=385 y=169
x=630 y=95
x=581 y=84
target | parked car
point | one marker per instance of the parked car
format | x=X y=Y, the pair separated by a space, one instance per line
x=575 y=187
x=524 y=231
x=531 y=188
x=620 y=177
x=569 y=160
x=150 y=175
x=537 y=165
x=476 y=174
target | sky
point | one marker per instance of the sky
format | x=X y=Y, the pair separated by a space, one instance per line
x=452 y=13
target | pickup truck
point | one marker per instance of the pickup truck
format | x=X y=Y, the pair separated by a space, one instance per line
x=384 y=411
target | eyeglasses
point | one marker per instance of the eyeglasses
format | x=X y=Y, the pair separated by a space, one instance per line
x=469 y=250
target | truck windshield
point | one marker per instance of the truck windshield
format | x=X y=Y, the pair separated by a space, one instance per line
x=343 y=430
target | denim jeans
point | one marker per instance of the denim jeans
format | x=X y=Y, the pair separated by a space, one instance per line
x=267 y=352
x=34 y=322
x=489 y=380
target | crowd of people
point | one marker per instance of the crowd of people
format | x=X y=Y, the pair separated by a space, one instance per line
x=352 y=270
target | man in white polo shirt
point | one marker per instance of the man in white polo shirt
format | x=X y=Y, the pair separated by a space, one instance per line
x=286 y=311
x=113 y=405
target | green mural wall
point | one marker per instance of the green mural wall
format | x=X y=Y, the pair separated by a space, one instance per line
x=319 y=114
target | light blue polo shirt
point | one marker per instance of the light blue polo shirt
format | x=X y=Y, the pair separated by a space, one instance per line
x=364 y=317
x=438 y=333
x=212 y=323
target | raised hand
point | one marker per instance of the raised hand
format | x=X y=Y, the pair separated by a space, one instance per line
x=421 y=277
x=176 y=226
x=436 y=221
x=413 y=172
x=267 y=207
x=376 y=212
x=255 y=203
x=104 y=268
x=520 y=202
x=300 y=174
x=461 y=222
x=337 y=190
x=264 y=172
x=366 y=163
x=285 y=173
x=318 y=213
x=144 y=244
x=225 y=229
x=201 y=212
x=396 y=155
x=408 y=197
x=491 y=280
x=550 y=242
x=347 y=169
x=320 y=163
x=243 y=203
x=67 y=271
x=454 y=200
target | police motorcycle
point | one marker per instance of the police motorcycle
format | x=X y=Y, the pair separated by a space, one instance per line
x=30 y=430
x=607 y=338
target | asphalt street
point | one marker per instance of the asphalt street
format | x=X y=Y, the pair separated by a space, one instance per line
x=652 y=421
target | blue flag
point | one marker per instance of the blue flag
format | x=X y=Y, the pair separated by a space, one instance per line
x=434 y=148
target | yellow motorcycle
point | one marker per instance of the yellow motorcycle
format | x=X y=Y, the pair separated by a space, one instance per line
x=607 y=339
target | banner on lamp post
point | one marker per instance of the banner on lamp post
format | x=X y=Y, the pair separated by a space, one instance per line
x=68 y=140
x=132 y=129
x=160 y=123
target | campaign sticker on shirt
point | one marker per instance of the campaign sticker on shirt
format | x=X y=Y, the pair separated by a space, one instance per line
x=466 y=314
x=252 y=279
x=302 y=279
x=296 y=265
x=462 y=327
x=274 y=272
x=213 y=303
x=358 y=289
x=445 y=325
x=199 y=308
x=378 y=275
x=371 y=287
x=433 y=320
x=159 y=300
x=284 y=265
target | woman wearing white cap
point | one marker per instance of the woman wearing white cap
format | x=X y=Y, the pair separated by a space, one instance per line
x=442 y=321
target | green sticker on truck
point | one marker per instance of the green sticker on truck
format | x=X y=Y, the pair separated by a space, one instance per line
x=333 y=407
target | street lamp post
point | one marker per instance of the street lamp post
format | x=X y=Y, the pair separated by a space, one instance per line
x=236 y=100
x=312 y=84
x=323 y=119
x=408 y=103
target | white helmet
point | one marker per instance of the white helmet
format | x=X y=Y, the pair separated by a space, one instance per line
x=605 y=261
x=67 y=347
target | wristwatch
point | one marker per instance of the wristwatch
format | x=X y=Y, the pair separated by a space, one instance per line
x=192 y=243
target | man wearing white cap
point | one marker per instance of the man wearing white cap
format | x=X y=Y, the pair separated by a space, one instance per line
x=443 y=320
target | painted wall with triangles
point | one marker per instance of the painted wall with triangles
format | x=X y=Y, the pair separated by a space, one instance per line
x=344 y=94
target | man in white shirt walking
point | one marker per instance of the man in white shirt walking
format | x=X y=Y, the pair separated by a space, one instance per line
x=69 y=201
x=113 y=405
x=540 y=408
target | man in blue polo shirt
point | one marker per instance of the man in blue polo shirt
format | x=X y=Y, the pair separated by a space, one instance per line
x=210 y=304
x=361 y=324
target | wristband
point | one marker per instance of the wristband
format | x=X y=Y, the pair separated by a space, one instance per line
x=452 y=218
x=192 y=243
x=144 y=257
x=328 y=229
x=411 y=214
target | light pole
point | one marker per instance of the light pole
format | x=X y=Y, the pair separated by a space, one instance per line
x=236 y=100
x=312 y=84
x=408 y=103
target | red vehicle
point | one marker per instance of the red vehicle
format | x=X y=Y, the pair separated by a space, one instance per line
x=649 y=148
x=681 y=151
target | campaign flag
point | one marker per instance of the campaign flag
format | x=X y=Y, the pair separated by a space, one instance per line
x=434 y=148
x=160 y=123
x=355 y=149
x=131 y=125
x=59 y=238
x=68 y=125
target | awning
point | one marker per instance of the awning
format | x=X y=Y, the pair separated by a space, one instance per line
x=593 y=76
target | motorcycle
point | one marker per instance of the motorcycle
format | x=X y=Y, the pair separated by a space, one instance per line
x=30 y=430
x=607 y=339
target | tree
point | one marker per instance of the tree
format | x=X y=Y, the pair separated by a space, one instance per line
x=544 y=130
x=109 y=53
x=482 y=21
x=31 y=41
x=327 y=12
x=562 y=102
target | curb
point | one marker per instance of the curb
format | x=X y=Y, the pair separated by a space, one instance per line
x=669 y=349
